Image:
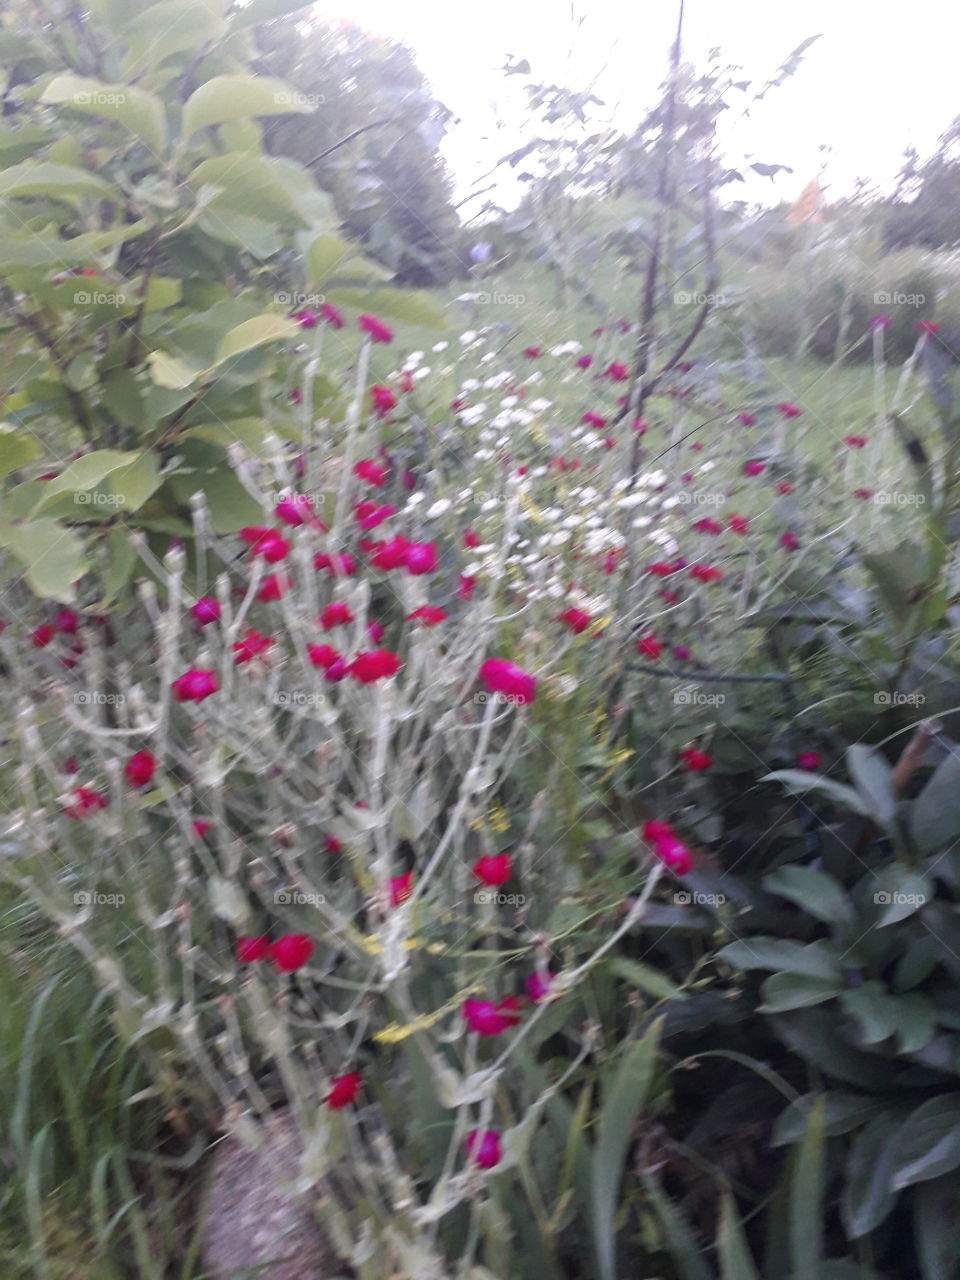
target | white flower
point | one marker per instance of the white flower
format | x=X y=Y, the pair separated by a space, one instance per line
x=491 y=504
x=464 y=494
x=523 y=417
x=632 y=500
x=509 y=401
x=438 y=508
x=641 y=522
x=420 y=374
x=540 y=405
x=414 y=499
x=539 y=471
x=536 y=376
x=487 y=358
x=498 y=379
x=483 y=455
x=469 y=336
x=440 y=346
x=469 y=384
x=412 y=360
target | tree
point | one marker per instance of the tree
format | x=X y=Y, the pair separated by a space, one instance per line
x=925 y=209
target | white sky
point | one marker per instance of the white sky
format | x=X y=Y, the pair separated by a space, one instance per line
x=882 y=76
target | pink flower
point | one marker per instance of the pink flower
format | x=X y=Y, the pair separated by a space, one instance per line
x=322 y=655
x=376 y=329
x=466 y=587
x=790 y=541
x=753 y=468
x=341 y=565
x=41 y=636
x=195 y=685
x=489 y=1019
x=205 y=610
x=855 y=442
x=639 y=426
x=401 y=887
x=269 y=543
x=369 y=514
x=375 y=632
x=306 y=319
x=420 y=558
x=343 y=1090
x=927 y=326
x=694 y=760
x=483 y=1148
x=674 y=854
x=290 y=952
x=336 y=614
x=85 y=801
x=249 y=950
x=377 y=665
x=863 y=494
x=274 y=587
x=428 y=614
x=738 y=524
x=336 y=671
x=706 y=573
x=784 y=487
x=67 y=621
x=383 y=400
x=493 y=869
x=789 y=410
x=253 y=645
x=616 y=372
x=201 y=826
x=332 y=845
x=879 y=323
x=332 y=316
x=656 y=830
x=370 y=472
x=707 y=525
x=576 y=620
x=470 y=539
x=649 y=647
x=538 y=986
x=140 y=768
x=294 y=510
x=532 y=352
x=584 y=362
x=747 y=419
x=809 y=760
x=594 y=420
x=500 y=676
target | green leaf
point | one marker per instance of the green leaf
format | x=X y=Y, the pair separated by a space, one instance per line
x=324 y=255
x=844 y=1112
x=138 y=110
x=812 y=960
x=868 y=1194
x=231 y=507
x=901 y=891
x=411 y=308
x=897 y=574
x=872 y=777
x=51 y=555
x=250 y=432
x=170 y=371
x=265 y=11
x=934 y=820
x=135 y=483
x=806 y=1194
x=818 y=893
x=16 y=449
x=800 y=781
x=647 y=979
x=58 y=181
x=680 y=1242
x=936 y=1228
x=85 y=473
x=254 y=333
x=881 y=1015
x=121 y=558
x=736 y=1261
x=795 y=991
x=237 y=97
x=618 y=1114
x=162 y=292
x=928 y=1144
x=250 y=186
x=168 y=28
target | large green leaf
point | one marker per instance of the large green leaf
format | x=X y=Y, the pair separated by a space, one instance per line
x=901 y=891
x=173 y=26
x=813 y=960
x=231 y=507
x=59 y=181
x=51 y=556
x=265 y=11
x=119 y=557
x=819 y=894
x=736 y=1261
x=871 y=775
x=868 y=1194
x=239 y=96
x=881 y=1015
x=806 y=1195
x=85 y=473
x=934 y=819
x=171 y=372
x=254 y=333
x=248 y=185
x=936 y=1228
x=16 y=449
x=618 y=1114
x=784 y=991
x=136 y=109
x=928 y=1143
x=843 y=1113
x=132 y=485
x=800 y=781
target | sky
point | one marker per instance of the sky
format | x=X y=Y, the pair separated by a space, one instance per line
x=881 y=78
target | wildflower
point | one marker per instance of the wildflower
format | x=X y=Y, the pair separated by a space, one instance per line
x=753 y=468
x=928 y=327
x=377 y=665
x=41 y=636
x=195 y=685
x=294 y=510
x=67 y=621
x=371 y=472
x=538 y=985
x=250 y=950
x=85 y=801
x=205 y=610
x=201 y=826
x=383 y=400
x=253 y=645
x=594 y=420
x=863 y=494
x=369 y=514
x=428 y=614
x=500 y=676
x=341 y=565
x=336 y=614
x=879 y=323
x=616 y=372
x=855 y=442
x=649 y=647
x=274 y=587
x=306 y=318
x=746 y=419
x=332 y=845
x=790 y=541
x=809 y=760
x=584 y=362
x=489 y=1019
x=466 y=587
x=532 y=352
x=343 y=1090
x=674 y=854
x=483 y=1148
x=784 y=487
x=401 y=887
x=706 y=573
x=377 y=330
x=694 y=760
x=576 y=620
x=738 y=524
x=493 y=869
x=322 y=655
x=707 y=525
x=375 y=632
x=470 y=539
x=140 y=768
x=420 y=558
x=290 y=952
x=336 y=671
x=789 y=410
x=332 y=316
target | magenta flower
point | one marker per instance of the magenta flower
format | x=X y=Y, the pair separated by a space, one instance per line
x=376 y=329
x=483 y=1148
x=488 y=1019
x=500 y=676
